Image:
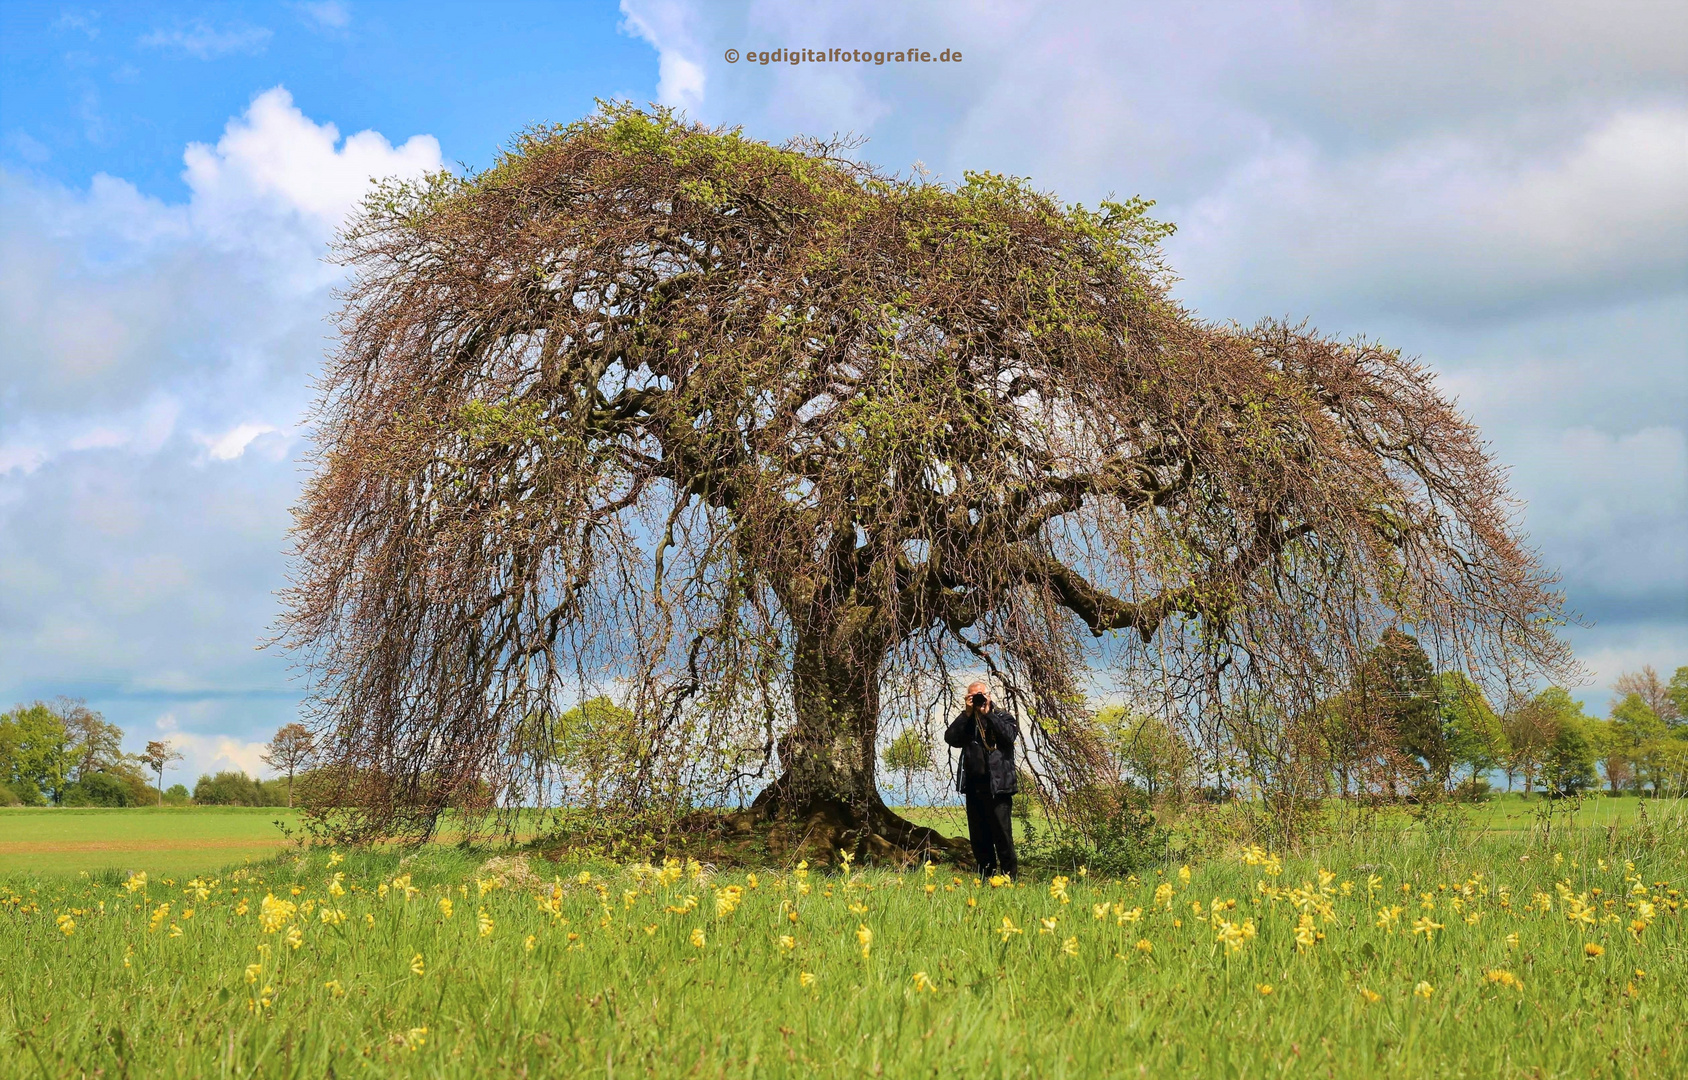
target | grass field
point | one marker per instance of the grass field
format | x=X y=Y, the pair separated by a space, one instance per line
x=1408 y=954
x=172 y=840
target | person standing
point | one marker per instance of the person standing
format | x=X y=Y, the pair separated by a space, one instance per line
x=987 y=777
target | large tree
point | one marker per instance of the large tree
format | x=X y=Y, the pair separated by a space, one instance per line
x=765 y=442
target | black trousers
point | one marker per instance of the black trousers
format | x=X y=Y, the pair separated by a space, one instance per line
x=991 y=830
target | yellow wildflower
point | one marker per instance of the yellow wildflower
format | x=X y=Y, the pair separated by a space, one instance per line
x=253 y=971
x=416 y=965
x=67 y=925
x=1070 y=946
x=1424 y=990
x=922 y=982
x=1305 y=933
x=1593 y=951
x=1426 y=926
x=999 y=881
x=1099 y=911
x=697 y=937
x=806 y=979
x=1008 y=929
x=136 y=882
x=1370 y=995
x=1502 y=977
x=335 y=858
x=727 y=900
x=1144 y=946
x=864 y=936
x=273 y=913
x=1184 y=874
x=1048 y=925
x=483 y=922
x=1058 y=890
x=787 y=942
x=293 y=937
x=1264 y=988
x=1512 y=940
x=1134 y=915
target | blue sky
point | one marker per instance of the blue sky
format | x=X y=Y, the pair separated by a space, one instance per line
x=1500 y=188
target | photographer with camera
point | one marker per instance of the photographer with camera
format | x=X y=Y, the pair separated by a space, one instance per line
x=986 y=736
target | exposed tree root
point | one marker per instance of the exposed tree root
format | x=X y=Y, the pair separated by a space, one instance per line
x=817 y=829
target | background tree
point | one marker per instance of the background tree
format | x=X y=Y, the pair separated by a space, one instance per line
x=1678 y=690
x=909 y=753
x=1474 y=735
x=1612 y=754
x=157 y=757
x=1651 y=690
x=289 y=750
x=771 y=441
x=1146 y=751
x=1568 y=764
x=36 y=754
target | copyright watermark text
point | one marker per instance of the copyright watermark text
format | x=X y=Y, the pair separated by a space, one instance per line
x=878 y=57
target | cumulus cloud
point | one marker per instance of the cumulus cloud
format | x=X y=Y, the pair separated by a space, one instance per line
x=668 y=26
x=158 y=363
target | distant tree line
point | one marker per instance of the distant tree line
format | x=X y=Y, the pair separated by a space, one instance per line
x=1402 y=730
x=62 y=753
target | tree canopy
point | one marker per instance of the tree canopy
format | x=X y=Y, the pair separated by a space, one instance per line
x=768 y=442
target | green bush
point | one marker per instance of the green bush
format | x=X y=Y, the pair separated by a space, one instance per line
x=8 y=797
x=100 y=789
x=229 y=789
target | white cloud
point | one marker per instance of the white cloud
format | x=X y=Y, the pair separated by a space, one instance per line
x=326 y=14
x=199 y=38
x=233 y=442
x=158 y=361
x=204 y=754
x=1454 y=226
x=667 y=25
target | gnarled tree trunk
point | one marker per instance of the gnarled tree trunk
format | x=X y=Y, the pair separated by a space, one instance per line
x=827 y=798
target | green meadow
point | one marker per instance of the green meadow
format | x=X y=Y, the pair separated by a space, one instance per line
x=1498 y=948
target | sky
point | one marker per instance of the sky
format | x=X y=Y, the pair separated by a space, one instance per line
x=1499 y=188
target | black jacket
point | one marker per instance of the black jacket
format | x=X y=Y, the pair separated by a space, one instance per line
x=1004 y=731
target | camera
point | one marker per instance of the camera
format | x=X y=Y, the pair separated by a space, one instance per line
x=978 y=701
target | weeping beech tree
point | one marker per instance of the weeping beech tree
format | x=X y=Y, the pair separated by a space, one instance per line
x=763 y=444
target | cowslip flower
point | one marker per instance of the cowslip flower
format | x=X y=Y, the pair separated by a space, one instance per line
x=416 y=965
x=1144 y=946
x=136 y=882
x=446 y=907
x=529 y=942
x=253 y=971
x=67 y=925
x=1424 y=990
x=293 y=937
x=1426 y=926
x=1134 y=915
x=922 y=982
x=1371 y=996
x=334 y=988
x=697 y=937
x=1264 y=988
x=864 y=937
x=787 y=942
x=1048 y=925
x=1008 y=929
x=806 y=979
x=1070 y=946
x=483 y=922
x=1058 y=890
